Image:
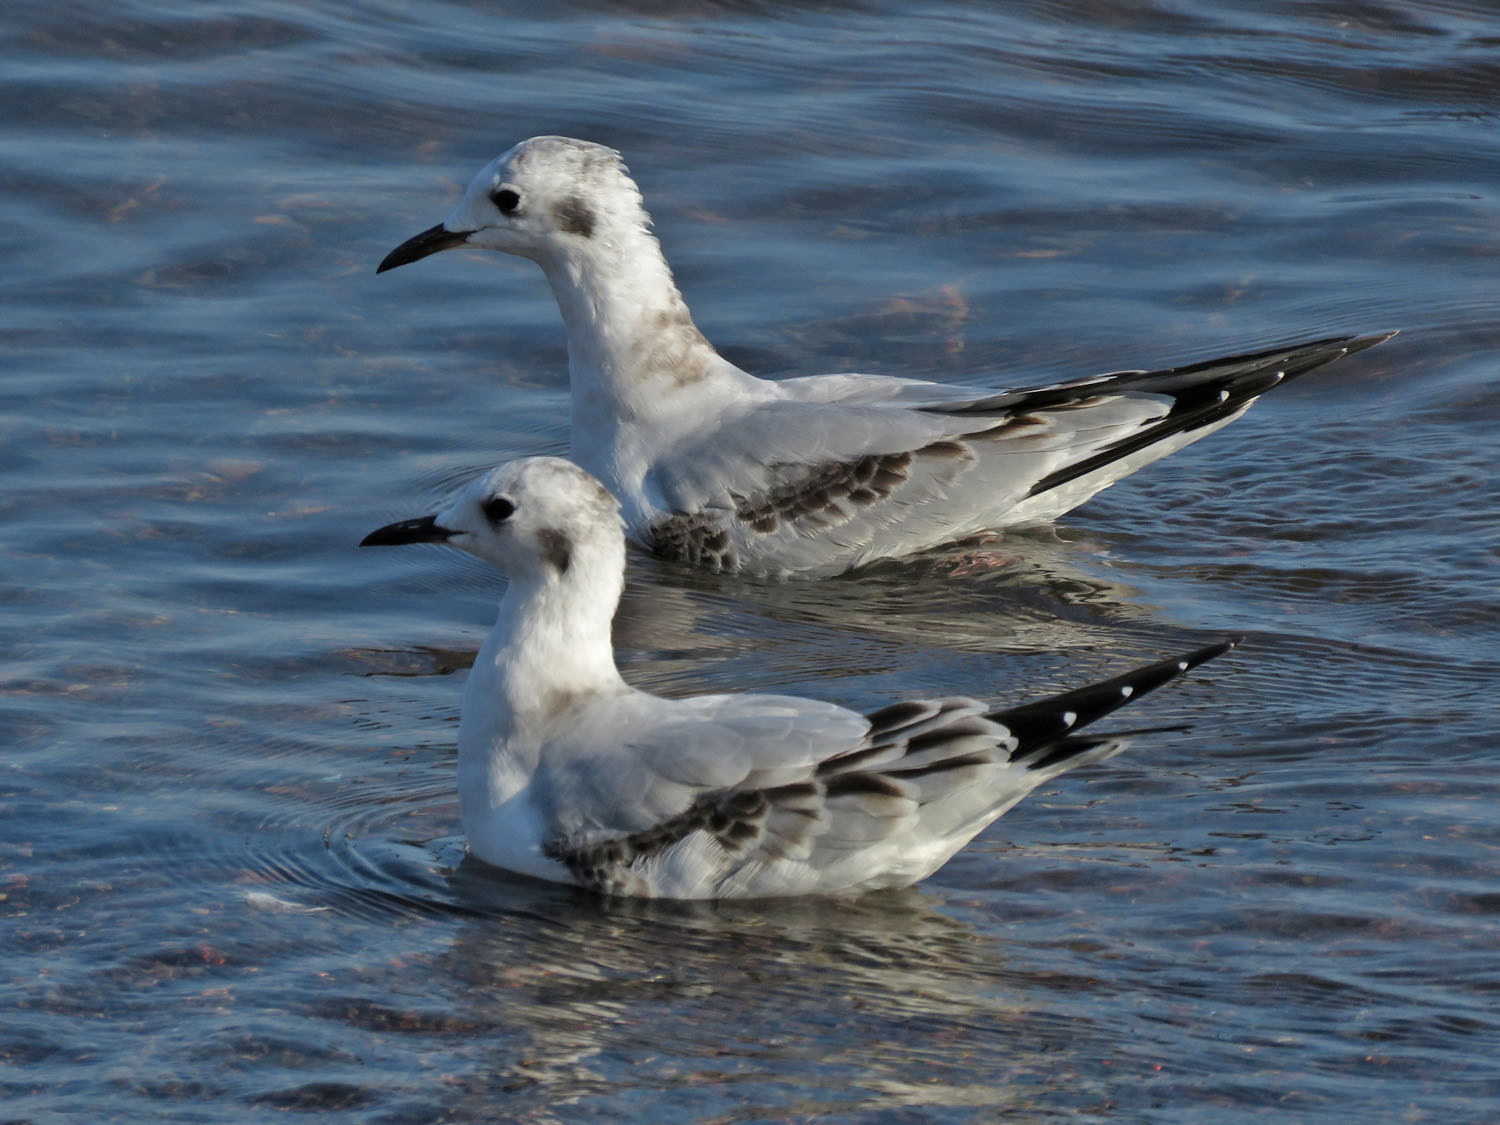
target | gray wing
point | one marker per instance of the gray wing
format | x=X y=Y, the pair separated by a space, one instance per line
x=806 y=487
x=845 y=469
x=634 y=780
x=629 y=763
x=749 y=796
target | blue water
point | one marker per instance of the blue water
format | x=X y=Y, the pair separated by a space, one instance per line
x=231 y=881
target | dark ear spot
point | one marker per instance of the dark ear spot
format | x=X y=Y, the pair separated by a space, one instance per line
x=556 y=548
x=574 y=216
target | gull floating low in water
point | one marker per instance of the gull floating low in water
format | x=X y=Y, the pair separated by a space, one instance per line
x=808 y=476
x=567 y=773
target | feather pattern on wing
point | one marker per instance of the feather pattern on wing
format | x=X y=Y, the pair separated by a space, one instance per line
x=841 y=470
x=824 y=800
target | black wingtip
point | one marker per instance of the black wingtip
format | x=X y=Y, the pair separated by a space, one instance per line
x=1360 y=343
x=1039 y=725
x=1291 y=359
x=1210 y=652
x=1204 y=393
x=1074 y=746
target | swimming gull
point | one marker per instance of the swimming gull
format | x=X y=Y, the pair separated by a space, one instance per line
x=567 y=773
x=806 y=476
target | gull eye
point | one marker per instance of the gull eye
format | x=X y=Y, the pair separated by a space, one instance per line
x=497 y=509
x=505 y=199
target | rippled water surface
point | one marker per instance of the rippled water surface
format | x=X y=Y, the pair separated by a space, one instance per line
x=231 y=881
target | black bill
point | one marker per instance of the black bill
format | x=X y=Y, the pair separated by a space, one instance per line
x=430 y=241
x=424 y=529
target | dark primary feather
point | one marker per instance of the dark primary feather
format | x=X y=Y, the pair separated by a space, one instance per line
x=818 y=496
x=1292 y=359
x=1201 y=393
x=1043 y=730
x=1188 y=412
x=934 y=736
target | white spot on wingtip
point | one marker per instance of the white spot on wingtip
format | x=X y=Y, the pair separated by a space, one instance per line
x=1223 y=396
x=1069 y=718
x=1182 y=665
x=1127 y=691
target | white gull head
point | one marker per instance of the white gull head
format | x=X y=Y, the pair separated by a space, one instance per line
x=540 y=521
x=542 y=199
x=634 y=353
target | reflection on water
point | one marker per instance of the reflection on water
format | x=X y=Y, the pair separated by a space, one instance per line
x=585 y=996
x=855 y=635
x=231 y=884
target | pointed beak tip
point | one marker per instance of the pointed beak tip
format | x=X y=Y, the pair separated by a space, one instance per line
x=430 y=241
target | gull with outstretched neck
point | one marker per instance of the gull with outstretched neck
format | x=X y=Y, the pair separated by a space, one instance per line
x=567 y=773
x=815 y=475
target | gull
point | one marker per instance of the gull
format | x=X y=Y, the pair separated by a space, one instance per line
x=816 y=475
x=569 y=774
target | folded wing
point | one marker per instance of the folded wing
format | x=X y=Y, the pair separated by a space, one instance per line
x=846 y=469
x=754 y=796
